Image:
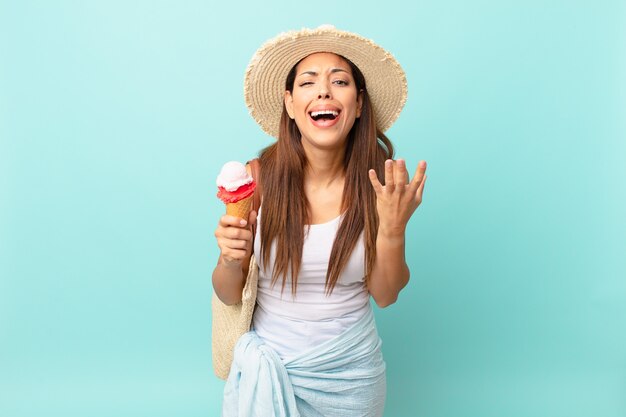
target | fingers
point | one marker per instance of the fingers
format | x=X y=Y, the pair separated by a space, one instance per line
x=420 y=172
x=233 y=228
x=228 y=220
x=400 y=174
x=232 y=254
x=378 y=187
x=389 y=173
x=420 y=191
x=397 y=175
x=234 y=233
x=234 y=238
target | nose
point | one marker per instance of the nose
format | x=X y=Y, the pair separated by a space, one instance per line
x=324 y=92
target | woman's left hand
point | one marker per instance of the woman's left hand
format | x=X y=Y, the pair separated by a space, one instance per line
x=397 y=200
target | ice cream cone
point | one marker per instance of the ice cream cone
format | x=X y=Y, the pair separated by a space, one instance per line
x=241 y=208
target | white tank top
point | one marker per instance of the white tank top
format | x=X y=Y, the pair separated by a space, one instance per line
x=291 y=325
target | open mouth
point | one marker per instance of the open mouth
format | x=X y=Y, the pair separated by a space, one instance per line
x=324 y=115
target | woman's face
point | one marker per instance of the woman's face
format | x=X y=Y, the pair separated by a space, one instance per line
x=324 y=102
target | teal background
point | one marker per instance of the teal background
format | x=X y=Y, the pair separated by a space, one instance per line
x=115 y=117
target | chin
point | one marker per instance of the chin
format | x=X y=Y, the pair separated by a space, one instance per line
x=325 y=140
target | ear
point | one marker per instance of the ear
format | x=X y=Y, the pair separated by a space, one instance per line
x=359 y=104
x=289 y=104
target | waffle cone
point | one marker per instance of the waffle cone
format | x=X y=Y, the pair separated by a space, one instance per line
x=241 y=208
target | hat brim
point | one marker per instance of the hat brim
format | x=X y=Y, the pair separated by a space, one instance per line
x=264 y=83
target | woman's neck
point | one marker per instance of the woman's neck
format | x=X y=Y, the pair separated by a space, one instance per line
x=324 y=168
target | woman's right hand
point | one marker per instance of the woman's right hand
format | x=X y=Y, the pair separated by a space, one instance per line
x=234 y=238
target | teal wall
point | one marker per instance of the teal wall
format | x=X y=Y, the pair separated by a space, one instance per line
x=115 y=117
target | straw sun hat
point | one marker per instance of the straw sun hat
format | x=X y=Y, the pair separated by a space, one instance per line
x=264 y=83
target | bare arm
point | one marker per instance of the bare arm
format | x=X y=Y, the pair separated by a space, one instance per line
x=390 y=273
x=396 y=202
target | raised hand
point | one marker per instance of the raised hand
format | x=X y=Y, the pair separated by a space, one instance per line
x=397 y=200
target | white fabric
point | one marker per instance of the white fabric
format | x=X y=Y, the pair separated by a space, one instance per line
x=344 y=377
x=290 y=325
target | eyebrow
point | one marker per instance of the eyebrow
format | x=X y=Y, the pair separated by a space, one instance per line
x=332 y=71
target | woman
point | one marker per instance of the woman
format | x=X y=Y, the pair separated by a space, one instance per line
x=327 y=96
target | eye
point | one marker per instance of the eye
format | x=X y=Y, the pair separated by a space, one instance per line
x=305 y=83
x=341 y=82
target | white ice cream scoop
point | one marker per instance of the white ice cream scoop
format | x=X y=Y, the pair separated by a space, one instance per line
x=233 y=175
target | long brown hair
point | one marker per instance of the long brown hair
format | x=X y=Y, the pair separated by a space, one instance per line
x=285 y=206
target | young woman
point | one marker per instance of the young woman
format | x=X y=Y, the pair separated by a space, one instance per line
x=330 y=231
